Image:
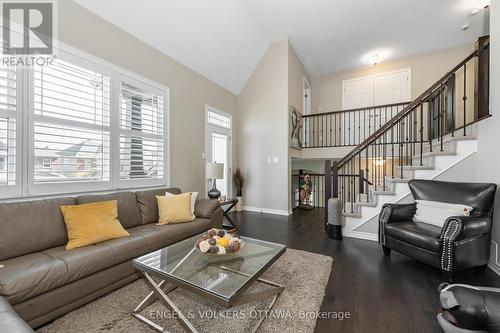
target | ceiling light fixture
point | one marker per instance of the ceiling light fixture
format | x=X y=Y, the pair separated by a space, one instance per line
x=375 y=59
x=465 y=26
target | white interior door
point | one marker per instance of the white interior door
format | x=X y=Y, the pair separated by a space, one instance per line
x=392 y=88
x=218 y=147
x=380 y=89
x=357 y=93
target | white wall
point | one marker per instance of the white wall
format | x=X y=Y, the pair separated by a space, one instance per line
x=263 y=133
x=189 y=91
x=296 y=75
x=426 y=69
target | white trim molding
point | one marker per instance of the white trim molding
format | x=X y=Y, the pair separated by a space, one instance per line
x=267 y=210
x=362 y=235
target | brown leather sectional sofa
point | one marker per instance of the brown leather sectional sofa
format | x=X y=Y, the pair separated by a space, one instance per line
x=42 y=281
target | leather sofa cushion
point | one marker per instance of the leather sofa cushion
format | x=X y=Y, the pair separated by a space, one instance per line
x=31 y=226
x=418 y=234
x=159 y=236
x=27 y=276
x=31 y=275
x=148 y=205
x=128 y=210
x=10 y=321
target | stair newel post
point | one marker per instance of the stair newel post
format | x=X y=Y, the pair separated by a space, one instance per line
x=352 y=184
x=385 y=160
x=330 y=186
x=482 y=78
x=421 y=132
x=450 y=105
x=465 y=98
x=401 y=149
x=431 y=122
x=392 y=151
x=441 y=116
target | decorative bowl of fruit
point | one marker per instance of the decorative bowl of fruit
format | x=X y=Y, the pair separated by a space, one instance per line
x=217 y=243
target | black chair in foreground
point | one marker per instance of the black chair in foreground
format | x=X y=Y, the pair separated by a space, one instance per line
x=463 y=241
x=467 y=309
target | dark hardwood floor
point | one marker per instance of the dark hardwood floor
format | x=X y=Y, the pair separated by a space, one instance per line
x=382 y=294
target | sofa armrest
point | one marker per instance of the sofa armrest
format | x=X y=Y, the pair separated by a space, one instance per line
x=10 y=320
x=204 y=208
x=463 y=227
x=397 y=212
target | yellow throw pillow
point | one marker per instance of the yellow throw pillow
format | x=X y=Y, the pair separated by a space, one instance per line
x=92 y=223
x=174 y=209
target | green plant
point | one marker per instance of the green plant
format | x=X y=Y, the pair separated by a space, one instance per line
x=239 y=181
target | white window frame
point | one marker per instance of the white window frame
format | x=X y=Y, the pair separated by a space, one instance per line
x=229 y=133
x=25 y=119
x=134 y=183
x=15 y=190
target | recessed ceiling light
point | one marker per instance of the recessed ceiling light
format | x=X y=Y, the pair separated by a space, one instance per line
x=465 y=26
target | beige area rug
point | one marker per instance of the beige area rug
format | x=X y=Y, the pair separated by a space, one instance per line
x=303 y=274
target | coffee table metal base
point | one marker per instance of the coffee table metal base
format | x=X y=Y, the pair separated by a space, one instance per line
x=161 y=294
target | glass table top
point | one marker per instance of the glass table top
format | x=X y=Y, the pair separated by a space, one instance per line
x=184 y=265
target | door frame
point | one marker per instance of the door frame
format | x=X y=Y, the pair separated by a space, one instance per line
x=224 y=131
x=373 y=76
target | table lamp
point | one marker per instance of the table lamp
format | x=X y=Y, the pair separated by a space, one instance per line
x=215 y=171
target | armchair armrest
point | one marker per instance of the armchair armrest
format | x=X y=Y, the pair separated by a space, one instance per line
x=465 y=227
x=204 y=208
x=397 y=212
x=392 y=213
x=457 y=228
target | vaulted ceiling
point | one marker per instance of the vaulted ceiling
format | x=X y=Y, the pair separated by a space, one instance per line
x=224 y=40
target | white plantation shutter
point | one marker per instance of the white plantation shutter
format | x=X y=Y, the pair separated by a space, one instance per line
x=79 y=124
x=71 y=124
x=141 y=135
x=9 y=112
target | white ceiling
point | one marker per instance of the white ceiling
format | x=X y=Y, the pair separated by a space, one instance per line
x=225 y=39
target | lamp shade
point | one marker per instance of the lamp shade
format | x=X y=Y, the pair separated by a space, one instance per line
x=215 y=170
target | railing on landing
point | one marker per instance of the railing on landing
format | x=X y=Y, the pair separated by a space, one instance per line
x=457 y=100
x=346 y=127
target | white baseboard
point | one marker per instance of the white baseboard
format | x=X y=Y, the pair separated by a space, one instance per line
x=363 y=235
x=494 y=267
x=267 y=210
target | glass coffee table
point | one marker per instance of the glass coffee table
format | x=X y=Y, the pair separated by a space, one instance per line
x=221 y=280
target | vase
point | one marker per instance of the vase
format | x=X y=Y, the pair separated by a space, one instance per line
x=239 y=204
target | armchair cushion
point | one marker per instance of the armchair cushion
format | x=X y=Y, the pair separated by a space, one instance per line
x=422 y=235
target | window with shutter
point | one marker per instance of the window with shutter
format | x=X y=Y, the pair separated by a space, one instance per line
x=71 y=125
x=142 y=135
x=80 y=124
x=9 y=113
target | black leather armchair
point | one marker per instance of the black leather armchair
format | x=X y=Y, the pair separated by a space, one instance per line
x=468 y=309
x=463 y=242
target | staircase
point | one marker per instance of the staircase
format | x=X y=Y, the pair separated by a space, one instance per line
x=422 y=141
